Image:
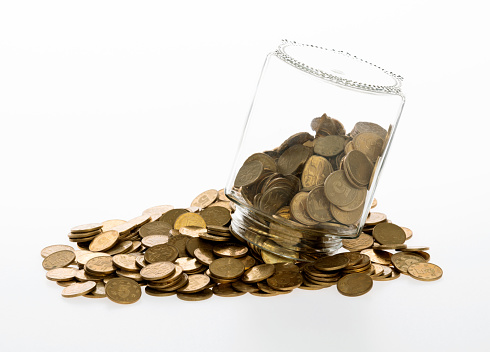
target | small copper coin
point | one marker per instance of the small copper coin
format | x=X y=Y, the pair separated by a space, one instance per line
x=104 y=241
x=155 y=228
x=123 y=290
x=100 y=266
x=375 y=218
x=78 y=289
x=192 y=231
x=357 y=244
x=157 y=271
x=170 y=216
x=226 y=290
x=86 y=228
x=59 y=259
x=61 y=274
x=232 y=250
x=179 y=242
x=55 y=248
x=153 y=240
x=378 y=256
x=198 y=296
x=161 y=253
x=353 y=285
x=227 y=268
x=249 y=173
x=120 y=248
x=258 y=273
x=387 y=233
x=216 y=216
x=189 y=265
x=204 y=256
x=189 y=219
x=205 y=198
x=329 y=263
x=425 y=271
x=243 y=287
x=196 y=283
x=126 y=262
x=285 y=280
x=403 y=260
x=110 y=224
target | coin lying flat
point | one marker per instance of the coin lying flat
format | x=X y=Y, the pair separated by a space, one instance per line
x=227 y=268
x=123 y=290
x=243 y=287
x=285 y=280
x=353 y=285
x=155 y=228
x=78 y=289
x=425 y=271
x=61 y=274
x=197 y=296
x=153 y=240
x=161 y=253
x=230 y=250
x=86 y=228
x=258 y=273
x=157 y=271
x=59 y=259
x=403 y=260
x=226 y=290
x=55 y=248
x=170 y=216
x=126 y=262
x=330 y=263
x=100 y=266
x=357 y=244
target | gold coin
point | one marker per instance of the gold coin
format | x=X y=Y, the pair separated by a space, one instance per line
x=298 y=209
x=61 y=274
x=315 y=172
x=78 y=289
x=357 y=203
x=338 y=190
x=170 y=280
x=249 y=173
x=198 y=296
x=188 y=265
x=226 y=290
x=403 y=260
x=274 y=199
x=192 y=231
x=161 y=253
x=354 y=258
x=408 y=232
x=207 y=236
x=59 y=259
x=374 y=203
x=120 y=248
x=82 y=275
x=258 y=273
x=227 y=205
x=263 y=286
x=243 y=287
x=297 y=138
x=387 y=233
x=286 y=267
x=378 y=256
x=205 y=198
x=357 y=244
x=130 y=275
x=222 y=195
x=126 y=262
x=83 y=258
x=157 y=271
x=359 y=168
x=285 y=280
x=83 y=235
x=227 y=268
x=230 y=250
x=55 y=248
x=361 y=127
x=193 y=243
x=271 y=258
x=318 y=206
x=375 y=218
x=110 y=224
x=370 y=144
x=216 y=216
x=247 y=261
x=293 y=159
x=99 y=291
x=329 y=146
x=153 y=240
x=86 y=228
x=346 y=217
x=266 y=160
x=170 y=216
x=353 y=285
x=415 y=249
x=100 y=266
x=190 y=219
x=425 y=271
x=196 y=283
x=390 y=246
x=330 y=263
x=123 y=290
x=153 y=292
x=179 y=242
x=155 y=228
x=104 y=241
x=157 y=211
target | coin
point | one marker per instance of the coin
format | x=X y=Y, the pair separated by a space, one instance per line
x=274 y=199
x=58 y=259
x=359 y=168
x=157 y=293
x=329 y=146
x=258 y=273
x=205 y=198
x=338 y=190
x=249 y=173
x=196 y=283
x=120 y=248
x=370 y=144
x=330 y=263
x=243 y=287
x=192 y=231
x=226 y=290
x=190 y=219
x=61 y=274
x=153 y=240
x=361 y=127
x=425 y=271
x=83 y=235
x=375 y=218
x=222 y=195
x=188 y=265
x=387 y=233
x=110 y=224
x=227 y=205
x=170 y=216
x=293 y=159
x=227 y=268
x=155 y=228
x=198 y=296
x=271 y=258
x=357 y=244
x=403 y=260
x=415 y=249
x=216 y=216
x=179 y=242
x=247 y=261
x=298 y=209
x=346 y=217
x=356 y=284
x=100 y=266
x=99 y=291
x=285 y=280
x=378 y=256
x=123 y=290
x=157 y=271
x=126 y=262
x=230 y=250
x=55 y=248
x=263 y=286
x=78 y=289
x=318 y=206
x=161 y=253
x=407 y=231
x=390 y=246
x=104 y=241
x=157 y=211
x=315 y=172
x=86 y=228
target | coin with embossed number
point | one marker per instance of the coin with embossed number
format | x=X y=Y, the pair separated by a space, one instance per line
x=59 y=259
x=205 y=198
x=123 y=290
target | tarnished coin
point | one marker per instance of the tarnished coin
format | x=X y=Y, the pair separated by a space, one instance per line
x=120 y=248
x=170 y=216
x=274 y=199
x=268 y=163
x=370 y=144
x=100 y=266
x=330 y=263
x=297 y=138
x=356 y=284
x=123 y=290
x=110 y=224
x=357 y=244
x=58 y=259
x=375 y=218
x=104 y=241
x=285 y=280
x=338 y=189
x=198 y=296
x=271 y=258
x=153 y=240
x=155 y=228
x=361 y=127
x=243 y=287
x=179 y=242
x=403 y=260
x=190 y=219
x=387 y=233
x=258 y=273
x=299 y=210
x=193 y=243
x=293 y=159
x=61 y=274
x=126 y=262
x=378 y=256
x=161 y=253
x=425 y=271
x=196 y=283
x=315 y=172
x=227 y=268
x=232 y=250
x=359 y=167
x=346 y=217
x=318 y=206
x=226 y=290
x=205 y=198
x=157 y=271
x=86 y=228
x=249 y=173
x=329 y=146
x=78 y=289
x=55 y=248
x=216 y=216
x=188 y=265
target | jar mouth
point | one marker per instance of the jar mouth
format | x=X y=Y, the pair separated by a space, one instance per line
x=339 y=67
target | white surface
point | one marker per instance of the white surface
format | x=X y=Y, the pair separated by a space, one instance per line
x=108 y=108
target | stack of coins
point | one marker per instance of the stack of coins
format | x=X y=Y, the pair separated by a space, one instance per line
x=193 y=254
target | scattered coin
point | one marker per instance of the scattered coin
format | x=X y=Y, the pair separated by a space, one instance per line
x=104 y=241
x=61 y=274
x=86 y=228
x=387 y=233
x=197 y=296
x=205 y=198
x=59 y=259
x=356 y=284
x=227 y=268
x=157 y=271
x=196 y=283
x=425 y=271
x=258 y=273
x=55 y=248
x=190 y=219
x=161 y=253
x=78 y=289
x=123 y=290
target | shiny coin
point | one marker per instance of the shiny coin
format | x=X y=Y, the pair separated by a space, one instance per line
x=161 y=253
x=153 y=240
x=298 y=209
x=192 y=231
x=55 y=248
x=243 y=287
x=266 y=160
x=100 y=266
x=110 y=224
x=271 y=258
x=370 y=144
x=216 y=216
x=356 y=284
x=82 y=275
x=190 y=219
x=354 y=258
x=157 y=271
x=403 y=260
x=204 y=256
x=318 y=206
x=408 y=232
x=155 y=228
x=104 y=241
x=247 y=261
x=286 y=267
x=285 y=280
x=390 y=246
x=357 y=244
x=179 y=242
x=120 y=248
x=258 y=273
x=375 y=218
x=83 y=258
x=230 y=250
x=263 y=286
x=387 y=233
x=86 y=228
x=222 y=195
x=378 y=256
x=157 y=211
x=346 y=217
x=126 y=262
x=207 y=236
x=330 y=263
x=205 y=198
x=315 y=172
x=188 y=265
x=226 y=290
x=293 y=159
x=425 y=271
x=58 y=259
x=415 y=249
x=122 y=290
x=329 y=146
x=297 y=138
x=249 y=173
x=170 y=216
x=227 y=268
x=99 y=291
x=78 y=289
x=61 y=274
x=338 y=190
x=196 y=283
x=198 y=296
x=83 y=235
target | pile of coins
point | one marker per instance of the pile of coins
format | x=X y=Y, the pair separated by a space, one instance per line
x=191 y=253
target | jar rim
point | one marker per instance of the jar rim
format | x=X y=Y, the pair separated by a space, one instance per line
x=334 y=75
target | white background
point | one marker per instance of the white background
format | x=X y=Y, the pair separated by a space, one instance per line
x=110 y=107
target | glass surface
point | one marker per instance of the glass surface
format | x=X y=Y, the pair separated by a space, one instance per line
x=341 y=111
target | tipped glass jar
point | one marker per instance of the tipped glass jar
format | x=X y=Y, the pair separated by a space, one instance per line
x=314 y=144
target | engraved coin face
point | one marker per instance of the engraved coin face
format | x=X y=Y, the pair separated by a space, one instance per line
x=285 y=280
x=78 y=289
x=356 y=284
x=299 y=209
x=338 y=190
x=55 y=248
x=59 y=259
x=196 y=283
x=293 y=158
x=316 y=170
x=258 y=273
x=249 y=173
x=403 y=260
x=155 y=228
x=387 y=233
x=123 y=290
x=157 y=271
x=329 y=146
x=267 y=162
x=425 y=271
x=216 y=216
x=161 y=253
x=205 y=198
x=104 y=241
x=227 y=268
x=370 y=144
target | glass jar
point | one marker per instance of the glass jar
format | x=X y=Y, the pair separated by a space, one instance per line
x=312 y=150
